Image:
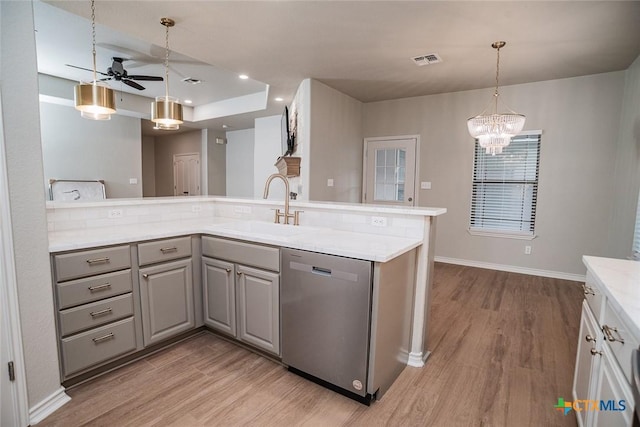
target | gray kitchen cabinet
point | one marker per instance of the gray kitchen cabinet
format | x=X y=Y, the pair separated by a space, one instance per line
x=242 y=291
x=166 y=292
x=94 y=297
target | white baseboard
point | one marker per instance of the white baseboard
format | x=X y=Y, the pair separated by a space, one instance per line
x=417 y=360
x=48 y=406
x=512 y=269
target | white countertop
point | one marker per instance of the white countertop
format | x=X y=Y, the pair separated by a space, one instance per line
x=619 y=280
x=343 y=243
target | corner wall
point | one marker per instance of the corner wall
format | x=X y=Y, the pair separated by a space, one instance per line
x=239 y=163
x=579 y=118
x=19 y=85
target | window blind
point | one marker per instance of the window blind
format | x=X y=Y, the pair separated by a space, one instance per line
x=505 y=187
x=636 y=234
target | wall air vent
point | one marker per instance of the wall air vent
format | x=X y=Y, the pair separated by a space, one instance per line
x=191 y=80
x=428 y=59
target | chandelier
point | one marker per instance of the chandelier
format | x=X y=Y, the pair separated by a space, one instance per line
x=94 y=100
x=166 y=111
x=494 y=130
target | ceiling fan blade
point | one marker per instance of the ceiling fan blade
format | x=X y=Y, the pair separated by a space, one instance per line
x=86 y=69
x=147 y=78
x=133 y=84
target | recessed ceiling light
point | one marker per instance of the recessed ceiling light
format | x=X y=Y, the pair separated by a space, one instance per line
x=243 y=76
x=279 y=99
x=188 y=101
x=225 y=126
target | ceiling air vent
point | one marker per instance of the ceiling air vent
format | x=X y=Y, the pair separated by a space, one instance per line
x=191 y=80
x=428 y=59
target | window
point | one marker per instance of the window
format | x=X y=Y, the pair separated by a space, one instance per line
x=636 y=234
x=505 y=189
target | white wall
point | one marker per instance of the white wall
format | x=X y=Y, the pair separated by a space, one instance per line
x=627 y=169
x=19 y=85
x=240 y=146
x=148 y=166
x=335 y=145
x=580 y=119
x=216 y=164
x=77 y=148
x=267 y=149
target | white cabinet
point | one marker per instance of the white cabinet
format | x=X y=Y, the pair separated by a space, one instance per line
x=602 y=393
x=239 y=299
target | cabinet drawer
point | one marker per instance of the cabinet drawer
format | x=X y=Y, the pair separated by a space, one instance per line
x=164 y=250
x=91 y=289
x=616 y=331
x=87 y=263
x=245 y=253
x=90 y=348
x=95 y=314
x=594 y=297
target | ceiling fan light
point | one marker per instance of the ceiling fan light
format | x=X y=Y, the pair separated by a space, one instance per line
x=166 y=111
x=95 y=101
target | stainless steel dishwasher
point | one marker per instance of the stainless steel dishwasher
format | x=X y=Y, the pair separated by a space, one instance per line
x=326 y=318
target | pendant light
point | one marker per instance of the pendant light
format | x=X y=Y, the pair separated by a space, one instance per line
x=494 y=130
x=166 y=111
x=94 y=100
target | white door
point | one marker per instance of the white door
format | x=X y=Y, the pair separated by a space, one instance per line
x=389 y=170
x=186 y=174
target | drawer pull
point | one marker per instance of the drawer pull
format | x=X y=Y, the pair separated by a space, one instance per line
x=595 y=352
x=608 y=332
x=167 y=250
x=228 y=270
x=100 y=287
x=588 y=290
x=98 y=261
x=104 y=338
x=145 y=275
x=107 y=310
x=589 y=338
x=239 y=273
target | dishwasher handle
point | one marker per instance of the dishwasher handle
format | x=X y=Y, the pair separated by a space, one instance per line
x=321 y=271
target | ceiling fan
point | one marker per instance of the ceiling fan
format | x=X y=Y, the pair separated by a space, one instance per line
x=118 y=73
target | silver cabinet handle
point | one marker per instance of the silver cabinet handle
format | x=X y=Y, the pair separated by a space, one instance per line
x=98 y=260
x=104 y=338
x=595 y=352
x=228 y=270
x=589 y=338
x=167 y=250
x=100 y=287
x=145 y=275
x=101 y=312
x=239 y=273
x=588 y=290
x=608 y=331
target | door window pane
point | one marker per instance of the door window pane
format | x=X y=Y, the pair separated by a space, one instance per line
x=390 y=174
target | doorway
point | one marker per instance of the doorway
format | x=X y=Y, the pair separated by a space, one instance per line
x=186 y=174
x=389 y=170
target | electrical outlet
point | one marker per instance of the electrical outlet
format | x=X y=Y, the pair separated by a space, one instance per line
x=379 y=221
x=115 y=213
x=330 y=182
x=425 y=185
x=527 y=250
x=196 y=208
x=133 y=181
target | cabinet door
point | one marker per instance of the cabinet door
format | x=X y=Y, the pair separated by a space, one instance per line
x=585 y=376
x=166 y=291
x=219 y=295
x=613 y=394
x=259 y=308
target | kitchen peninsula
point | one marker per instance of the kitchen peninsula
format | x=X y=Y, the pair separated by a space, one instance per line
x=379 y=234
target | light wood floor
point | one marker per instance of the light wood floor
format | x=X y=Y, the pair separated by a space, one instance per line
x=503 y=352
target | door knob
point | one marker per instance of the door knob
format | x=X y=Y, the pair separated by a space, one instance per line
x=411 y=199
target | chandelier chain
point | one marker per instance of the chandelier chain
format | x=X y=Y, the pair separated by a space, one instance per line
x=496 y=94
x=93 y=39
x=166 y=62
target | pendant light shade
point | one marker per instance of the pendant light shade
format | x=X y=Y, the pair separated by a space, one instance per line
x=494 y=130
x=95 y=101
x=166 y=111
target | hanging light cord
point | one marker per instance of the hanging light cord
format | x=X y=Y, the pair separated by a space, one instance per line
x=166 y=63
x=93 y=39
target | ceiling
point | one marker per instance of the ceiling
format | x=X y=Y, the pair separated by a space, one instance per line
x=364 y=48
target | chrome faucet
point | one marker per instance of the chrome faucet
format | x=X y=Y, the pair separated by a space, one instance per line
x=285 y=215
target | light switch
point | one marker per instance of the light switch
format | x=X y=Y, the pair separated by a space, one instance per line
x=133 y=180
x=425 y=185
x=330 y=182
